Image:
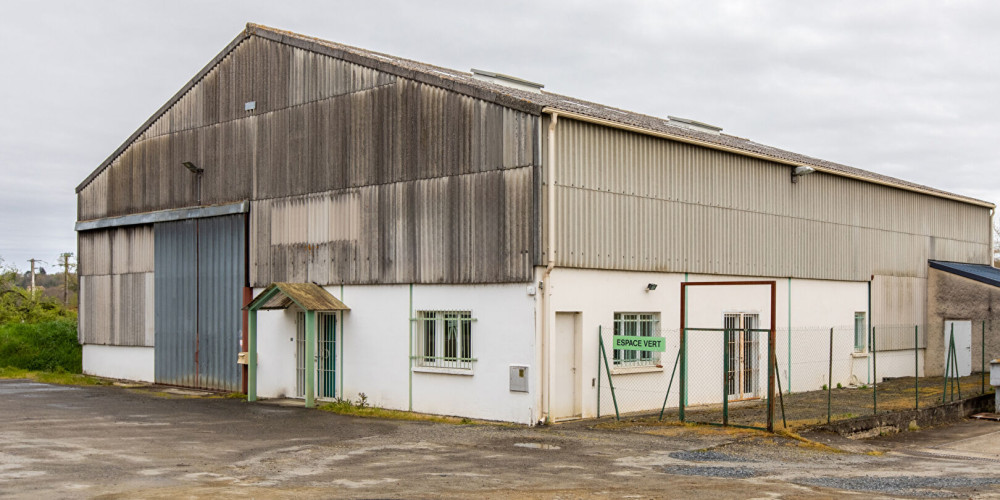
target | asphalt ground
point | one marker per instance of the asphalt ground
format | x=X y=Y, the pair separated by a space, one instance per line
x=115 y=442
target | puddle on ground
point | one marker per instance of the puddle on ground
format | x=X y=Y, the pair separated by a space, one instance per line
x=537 y=446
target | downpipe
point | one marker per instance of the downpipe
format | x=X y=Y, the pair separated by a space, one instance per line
x=546 y=291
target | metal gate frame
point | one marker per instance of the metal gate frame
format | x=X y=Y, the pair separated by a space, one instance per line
x=682 y=397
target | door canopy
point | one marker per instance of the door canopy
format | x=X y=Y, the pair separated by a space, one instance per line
x=308 y=296
x=311 y=298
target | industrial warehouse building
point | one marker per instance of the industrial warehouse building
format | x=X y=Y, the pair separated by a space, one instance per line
x=453 y=242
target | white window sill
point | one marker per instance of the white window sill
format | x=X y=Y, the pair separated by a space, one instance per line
x=624 y=370
x=859 y=354
x=443 y=371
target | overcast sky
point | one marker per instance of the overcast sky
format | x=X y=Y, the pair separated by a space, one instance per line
x=905 y=88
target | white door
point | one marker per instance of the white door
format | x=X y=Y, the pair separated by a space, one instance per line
x=566 y=400
x=963 y=345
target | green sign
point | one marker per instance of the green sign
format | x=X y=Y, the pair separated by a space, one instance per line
x=629 y=343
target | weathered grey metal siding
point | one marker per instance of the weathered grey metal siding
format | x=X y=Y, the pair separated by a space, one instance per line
x=200 y=269
x=221 y=278
x=209 y=126
x=176 y=299
x=474 y=228
x=95 y=309
x=116 y=271
x=633 y=202
x=323 y=125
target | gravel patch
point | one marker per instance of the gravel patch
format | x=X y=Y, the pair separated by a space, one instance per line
x=901 y=485
x=709 y=471
x=708 y=456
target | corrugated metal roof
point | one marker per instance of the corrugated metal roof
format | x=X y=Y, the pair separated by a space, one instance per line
x=979 y=272
x=308 y=296
x=533 y=102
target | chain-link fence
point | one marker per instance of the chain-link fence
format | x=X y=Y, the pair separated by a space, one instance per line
x=823 y=373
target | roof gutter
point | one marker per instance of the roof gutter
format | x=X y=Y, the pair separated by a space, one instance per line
x=719 y=147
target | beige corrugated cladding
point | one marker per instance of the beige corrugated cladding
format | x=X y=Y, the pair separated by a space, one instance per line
x=116 y=283
x=635 y=202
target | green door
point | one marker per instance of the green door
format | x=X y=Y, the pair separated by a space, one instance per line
x=326 y=356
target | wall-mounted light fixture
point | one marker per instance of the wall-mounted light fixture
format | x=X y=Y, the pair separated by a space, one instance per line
x=650 y=287
x=800 y=171
x=195 y=169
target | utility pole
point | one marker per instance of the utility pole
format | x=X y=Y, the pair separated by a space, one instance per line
x=32 y=289
x=65 y=266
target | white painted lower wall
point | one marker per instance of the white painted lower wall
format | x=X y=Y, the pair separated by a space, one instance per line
x=373 y=350
x=119 y=362
x=805 y=310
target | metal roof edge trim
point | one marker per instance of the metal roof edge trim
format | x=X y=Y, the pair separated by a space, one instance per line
x=164 y=216
x=941 y=265
x=166 y=106
x=632 y=128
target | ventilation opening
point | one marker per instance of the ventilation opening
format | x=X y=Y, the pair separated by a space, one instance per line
x=507 y=80
x=694 y=125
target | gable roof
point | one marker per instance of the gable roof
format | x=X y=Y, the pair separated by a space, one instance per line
x=535 y=103
x=978 y=272
x=308 y=296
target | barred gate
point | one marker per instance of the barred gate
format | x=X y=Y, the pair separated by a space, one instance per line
x=727 y=371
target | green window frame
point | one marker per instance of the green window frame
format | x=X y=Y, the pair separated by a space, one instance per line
x=638 y=325
x=443 y=340
x=860 y=332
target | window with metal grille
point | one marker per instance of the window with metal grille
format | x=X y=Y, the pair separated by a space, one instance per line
x=860 y=332
x=636 y=325
x=443 y=339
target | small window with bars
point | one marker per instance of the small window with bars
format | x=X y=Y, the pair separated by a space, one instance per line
x=636 y=325
x=860 y=332
x=443 y=339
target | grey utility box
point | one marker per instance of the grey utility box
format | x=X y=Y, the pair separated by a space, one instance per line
x=518 y=378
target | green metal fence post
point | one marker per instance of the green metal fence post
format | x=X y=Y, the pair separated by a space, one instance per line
x=600 y=345
x=682 y=394
x=947 y=365
x=982 y=372
x=310 y=359
x=916 y=366
x=670 y=384
x=874 y=374
x=958 y=377
x=781 y=398
x=725 y=377
x=252 y=356
x=829 y=381
x=604 y=354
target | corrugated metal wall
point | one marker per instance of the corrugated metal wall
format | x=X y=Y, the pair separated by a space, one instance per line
x=116 y=283
x=320 y=124
x=327 y=126
x=200 y=271
x=176 y=303
x=634 y=202
x=221 y=278
x=474 y=228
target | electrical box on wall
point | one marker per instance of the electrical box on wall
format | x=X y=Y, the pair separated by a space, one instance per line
x=518 y=378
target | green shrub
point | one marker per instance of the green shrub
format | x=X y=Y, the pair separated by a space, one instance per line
x=48 y=346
